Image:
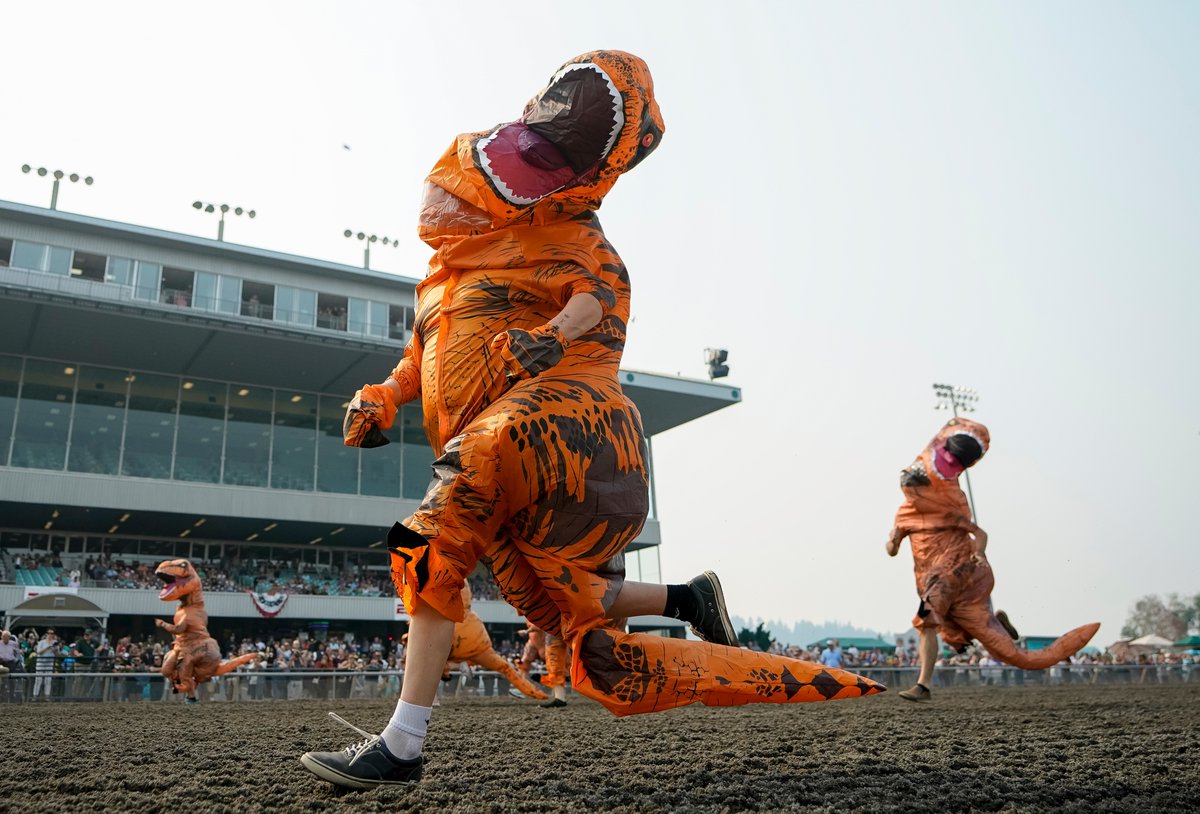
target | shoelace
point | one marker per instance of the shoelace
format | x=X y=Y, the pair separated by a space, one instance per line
x=356 y=750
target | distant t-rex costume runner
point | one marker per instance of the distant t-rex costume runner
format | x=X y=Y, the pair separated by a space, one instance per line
x=956 y=587
x=541 y=468
x=551 y=651
x=473 y=644
x=195 y=657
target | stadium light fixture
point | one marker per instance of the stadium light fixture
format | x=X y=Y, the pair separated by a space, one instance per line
x=953 y=398
x=716 y=358
x=223 y=209
x=58 y=175
x=368 y=239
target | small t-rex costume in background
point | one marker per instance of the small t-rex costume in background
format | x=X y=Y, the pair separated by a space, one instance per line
x=955 y=590
x=473 y=644
x=541 y=467
x=551 y=651
x=195 y=656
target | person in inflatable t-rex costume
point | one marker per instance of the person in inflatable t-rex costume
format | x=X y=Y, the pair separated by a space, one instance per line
x=473 y=644
x=195 y=656
x=541 y=469
x=954 y=578
x=551 y=651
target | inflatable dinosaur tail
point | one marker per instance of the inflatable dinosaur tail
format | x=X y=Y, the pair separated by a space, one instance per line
x=997 y=641
x=233 y=664
x=632 y=673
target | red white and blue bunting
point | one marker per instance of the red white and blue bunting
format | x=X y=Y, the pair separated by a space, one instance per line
x=269 y=605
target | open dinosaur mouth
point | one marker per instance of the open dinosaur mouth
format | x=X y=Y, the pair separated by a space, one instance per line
x=947 y=459
x=560 y=140
x=169 y=583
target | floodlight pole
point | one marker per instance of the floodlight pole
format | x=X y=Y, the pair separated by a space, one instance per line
x=222 y=208
x=58 y=175
x=956 y=398
x=368 y=239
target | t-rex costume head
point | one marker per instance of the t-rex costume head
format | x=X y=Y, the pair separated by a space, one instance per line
x=595 y=120
x=180 y=580
x=958 y=446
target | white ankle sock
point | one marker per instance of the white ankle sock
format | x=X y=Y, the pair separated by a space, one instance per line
x=405 y=733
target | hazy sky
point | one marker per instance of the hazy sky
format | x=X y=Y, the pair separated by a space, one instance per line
x=856 y=199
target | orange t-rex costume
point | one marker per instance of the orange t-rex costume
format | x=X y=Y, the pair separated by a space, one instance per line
x=541 y=470
x=473 y=644
x=551 y=651
x=956 y=590
x=195 y=657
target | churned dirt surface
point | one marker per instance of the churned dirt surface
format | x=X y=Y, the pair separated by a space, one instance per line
x=1001 y=749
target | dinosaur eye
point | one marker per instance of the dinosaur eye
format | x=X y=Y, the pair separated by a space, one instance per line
x=647 y=139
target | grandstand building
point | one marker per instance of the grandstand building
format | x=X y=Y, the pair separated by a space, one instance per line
x=163 y=395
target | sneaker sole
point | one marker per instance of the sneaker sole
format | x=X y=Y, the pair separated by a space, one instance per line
x=339 y=779
x=730 y=635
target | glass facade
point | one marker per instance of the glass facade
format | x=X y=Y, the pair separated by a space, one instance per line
x=57 y=415
x=98 y=427
x=44 y=415
x=217 y=293
x=201 y=437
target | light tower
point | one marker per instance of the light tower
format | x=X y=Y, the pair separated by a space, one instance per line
x=58 y=175
x=955 y=398
x=368 y=239
x=222 y=208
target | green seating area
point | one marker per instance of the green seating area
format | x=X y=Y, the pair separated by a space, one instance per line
x=44 y=575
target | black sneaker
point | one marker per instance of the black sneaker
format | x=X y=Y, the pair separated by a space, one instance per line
x=363 y=765
x=553 y=703
x=919 y=692
x=712 y=623
x=1008 y=626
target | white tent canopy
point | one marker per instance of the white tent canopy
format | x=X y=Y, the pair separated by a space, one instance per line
x=1151 y=640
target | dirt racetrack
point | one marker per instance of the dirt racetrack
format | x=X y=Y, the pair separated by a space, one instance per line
x=1115 y=748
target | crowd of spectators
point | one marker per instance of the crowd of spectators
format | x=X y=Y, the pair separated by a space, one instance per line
x=905 y=655
x=232 y=575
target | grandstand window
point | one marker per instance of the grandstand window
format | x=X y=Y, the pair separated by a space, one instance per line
x=337 y=464
x=368 y=318
x=201 y=431
x=178 y=287
x=99 y=421
x=331 y=312
x=10 y=385
x=295 y=306
x=258 y=300
x=44 y=415
x=294 y=444
x=120 y=271
x=217 y=293
x=418 y=456
x=381 y=468
x=248 y=436
x=5 y=251
x=150 y=425
x=40 y=257
x=147 y=280
x=229 y=294
x=400 y=320
x=89 y=266
x=204 y=295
